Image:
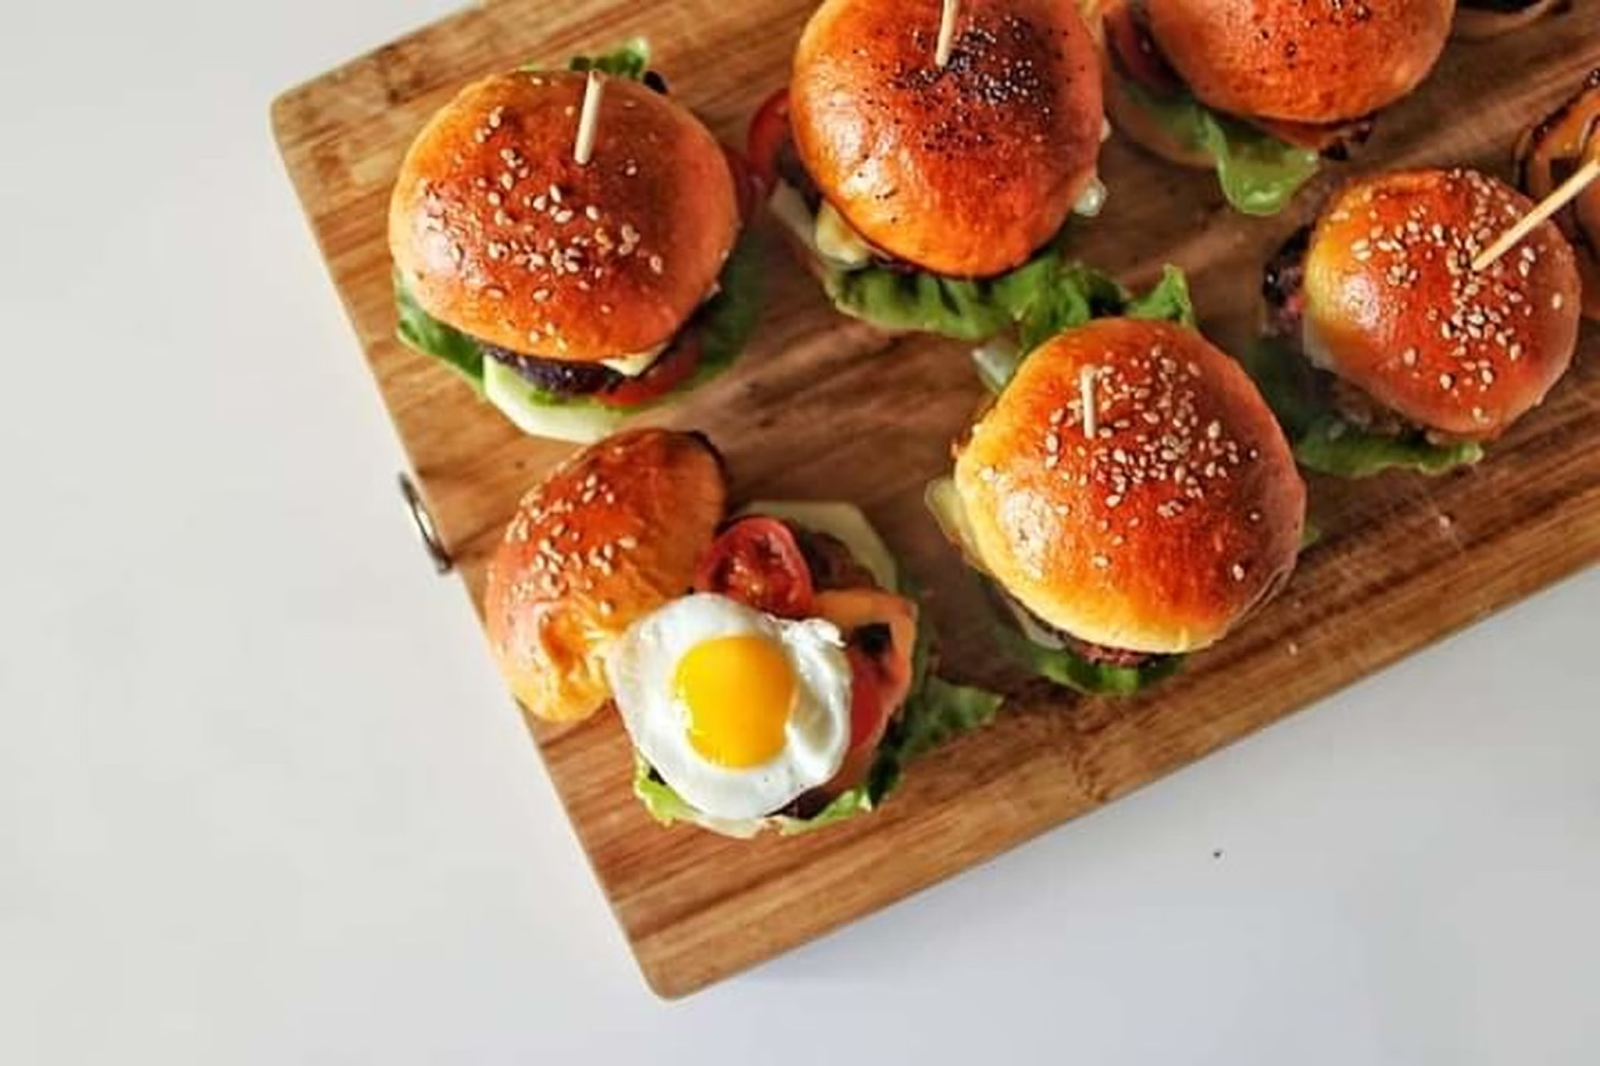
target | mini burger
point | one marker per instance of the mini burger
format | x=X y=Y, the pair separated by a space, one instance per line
x=1478 y=19
x=1262 y=89
x=572 y=294
x=768 y=666
x=1384 y=348
x=921 y=194
x=1547 y=155
x=1129 y=499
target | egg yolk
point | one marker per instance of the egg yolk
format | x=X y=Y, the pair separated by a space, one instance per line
x=739 y=692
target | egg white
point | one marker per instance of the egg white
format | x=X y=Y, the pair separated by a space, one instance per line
x=641 y=666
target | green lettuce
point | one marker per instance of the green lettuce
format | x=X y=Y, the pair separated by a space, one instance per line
x=724 y=326
x=1071 y=297
x=935 y=712
x=421 y=331
x=1066 y=667
x=1325 y=442
x=1258 y=173
x=1045 y=295
x=630 y=59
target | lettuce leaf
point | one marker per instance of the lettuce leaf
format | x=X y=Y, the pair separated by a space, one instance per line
x=1071 y=297
x=421 y=331
x=630 y=59
x=1324 y=442
x=935 y=712
x=1045 y=295
x=1258 y=173
x=724 y=325
x=1066 y=667
x=1333 y=446
x=918 y=302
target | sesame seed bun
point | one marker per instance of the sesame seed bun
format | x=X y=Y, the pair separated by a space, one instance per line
x=1317 y=61
x=608 y=537
x=1393 y=306
x=1479 y=23
x=1545 y=153
x=502 y=234
x=964 y=171
x=1181 y=515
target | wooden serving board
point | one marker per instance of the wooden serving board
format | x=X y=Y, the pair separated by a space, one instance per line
x=822 y=407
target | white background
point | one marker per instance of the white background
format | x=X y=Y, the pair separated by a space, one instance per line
x=262 y=799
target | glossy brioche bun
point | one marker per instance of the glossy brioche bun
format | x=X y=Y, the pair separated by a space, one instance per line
x=608 y=537
x=1182 y=515
x=1546 y=153
x=1317 y=61
x=964 y=171
x=1393 y=306
x=612 y=264
x=1478 y=23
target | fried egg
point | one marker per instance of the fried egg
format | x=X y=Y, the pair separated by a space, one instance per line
x=739 y=712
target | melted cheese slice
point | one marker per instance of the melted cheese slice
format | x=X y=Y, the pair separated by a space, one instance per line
x=633 y=365
x=838 y=240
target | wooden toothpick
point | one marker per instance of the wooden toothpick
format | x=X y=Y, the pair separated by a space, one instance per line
x=1086 y=382
x=1542 y=210
x=583 y=150
x=947 y=31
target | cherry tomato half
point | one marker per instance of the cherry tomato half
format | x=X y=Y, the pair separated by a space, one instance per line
x=769 y=129
x=676 y=365
x=757 y=562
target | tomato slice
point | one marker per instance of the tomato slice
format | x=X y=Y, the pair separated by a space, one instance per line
x=757 y=562
x=880 y=670
x=769 y=129
x=676 y=365
x=747 y=184
x=1136 y=51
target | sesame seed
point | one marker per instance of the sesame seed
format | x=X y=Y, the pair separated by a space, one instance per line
x=657 y=265
x=1100 y=562
x=1238 y=571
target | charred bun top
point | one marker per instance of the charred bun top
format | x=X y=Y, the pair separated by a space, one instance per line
x=1316 y=61
x=964 y=170
x=1393 y=305
x=606 y=538
x=500 y=233
x=1180 y=514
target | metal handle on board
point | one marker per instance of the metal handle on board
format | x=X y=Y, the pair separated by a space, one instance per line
x=422 y=519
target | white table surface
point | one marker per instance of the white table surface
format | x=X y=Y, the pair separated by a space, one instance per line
x=262 y=799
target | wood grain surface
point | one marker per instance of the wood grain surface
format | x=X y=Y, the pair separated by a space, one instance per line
x=822 y=407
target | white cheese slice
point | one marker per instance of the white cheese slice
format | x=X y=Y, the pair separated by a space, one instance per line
x=633 y=365
x=839 y=241
x=789 y=208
